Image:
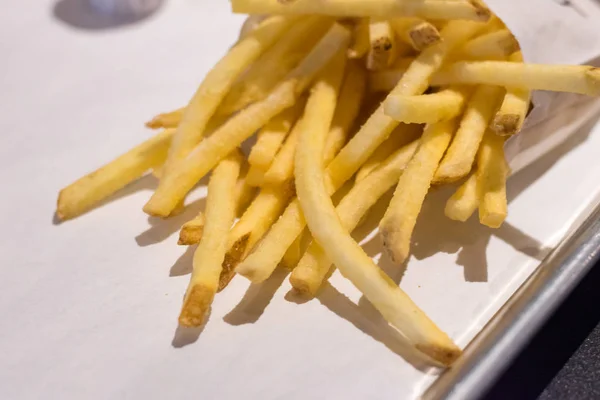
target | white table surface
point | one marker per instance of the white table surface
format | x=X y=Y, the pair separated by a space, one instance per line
x=88 y=308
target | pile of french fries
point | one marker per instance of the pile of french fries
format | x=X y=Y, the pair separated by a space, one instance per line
x=404 y=93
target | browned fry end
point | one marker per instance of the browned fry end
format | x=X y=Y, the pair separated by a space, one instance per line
x=231 y=260
x=444 y=355
x=189 y=235
x=506 y=124
x=196 y=305
x=482 y=12
x=382 y=44
x=424 y=35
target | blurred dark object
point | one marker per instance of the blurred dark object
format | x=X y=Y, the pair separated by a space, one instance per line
x=563 y=359
x=104 y=14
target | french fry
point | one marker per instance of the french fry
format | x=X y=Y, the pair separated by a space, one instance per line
x=256 y=176
x=395 y=306
x=250 y=25
x=383 y=47
x=400 y=218
x=427 y=108
x=360 y=42
x=496 y=45
x=293 y=254
x=191 y=232
x=279 y=60
x=220 y=212
x=509 y=119
x=314 y=266
x=402 y=135
x=215 y=86
x=459 y=159
x=166 y=120
x=272 y=135
x=386 y=80
x=262 y=262
x=428 y=9
x=173 y=187
x=282 y=167
x=492 y=172
x=418 y=33
x=265 y=258
x=463 y=203
x=582 y=79
x=244 y=194
x=85 y=193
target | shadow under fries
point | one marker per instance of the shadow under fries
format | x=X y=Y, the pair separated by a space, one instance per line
x=185 y=336
x=256 y=299
x=160 y=229
x=184 y=263
x=79 y=14
x=146 y=183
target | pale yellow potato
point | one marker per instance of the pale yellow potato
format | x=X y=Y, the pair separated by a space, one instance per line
x=492 y=172
x=314 y=265
x=208 y=257
x=360 y=39
x=463 y=203
x=428 y=9
x=427 y=108
x=166 y=120
x=400 y=218
x=282 y=167
x=459 y=159
x=386 y=80
x=174 y=186
x=383 y=47
x=496 y=45
x=324 y=224
x=85 y=193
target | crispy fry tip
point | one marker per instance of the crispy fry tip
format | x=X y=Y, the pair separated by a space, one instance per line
x=506 y=124
x=196 y=305
x=444 y=355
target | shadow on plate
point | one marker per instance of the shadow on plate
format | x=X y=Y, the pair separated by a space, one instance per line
x=80 y=15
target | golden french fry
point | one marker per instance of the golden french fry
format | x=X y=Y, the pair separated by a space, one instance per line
x=399 y=220
x=282 y=167
x=582 y=79
x=85 y=193
x=492 y=172
x=166 y=120
x=256 y=176
x=312 y=269
x=293 y=254
x=191 y=232
x=513 y=111
x=279 y=60
x=244 y=194
x=401 y=136
x=496 y=45
x=386 y=80
x=427 y=108
x=459 y=159
x=383 y=47
x=250 y=25
x=395 y=306
x=429 y=9
x=463 y=203
x=418 y=33
x=319 y=114
x=220 y=212
x=360 y=43
x=173 y=187
x=265 y=258
x=215 y=86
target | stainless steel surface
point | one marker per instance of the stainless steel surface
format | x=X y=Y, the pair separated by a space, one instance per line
x=488 y=355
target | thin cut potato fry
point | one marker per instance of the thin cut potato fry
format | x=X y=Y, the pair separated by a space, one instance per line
x=250 y=25
x=293 y=254
x=215 y=86
x=418 y=33
x=497 y=45
x=401 y=136
x=272 y=135
x=582 y=79
x=220 y=212
x=458 y=161
x=395 y=306
x=166 y=120
x=386 y=80
x=254 y=223
x=282 y=167
x=509 y=119
x=427 y=108
x=191 y=232
x=492 y=172
x=173 y=187
x=429 y=9
x=360 y=42
x=319 y=114
x=463 y=203
x=383 y=47
x=400 y=218
x=256 y=176
x=314 y=266
x=279 y=60
x=85 y=193
x=265 y=258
